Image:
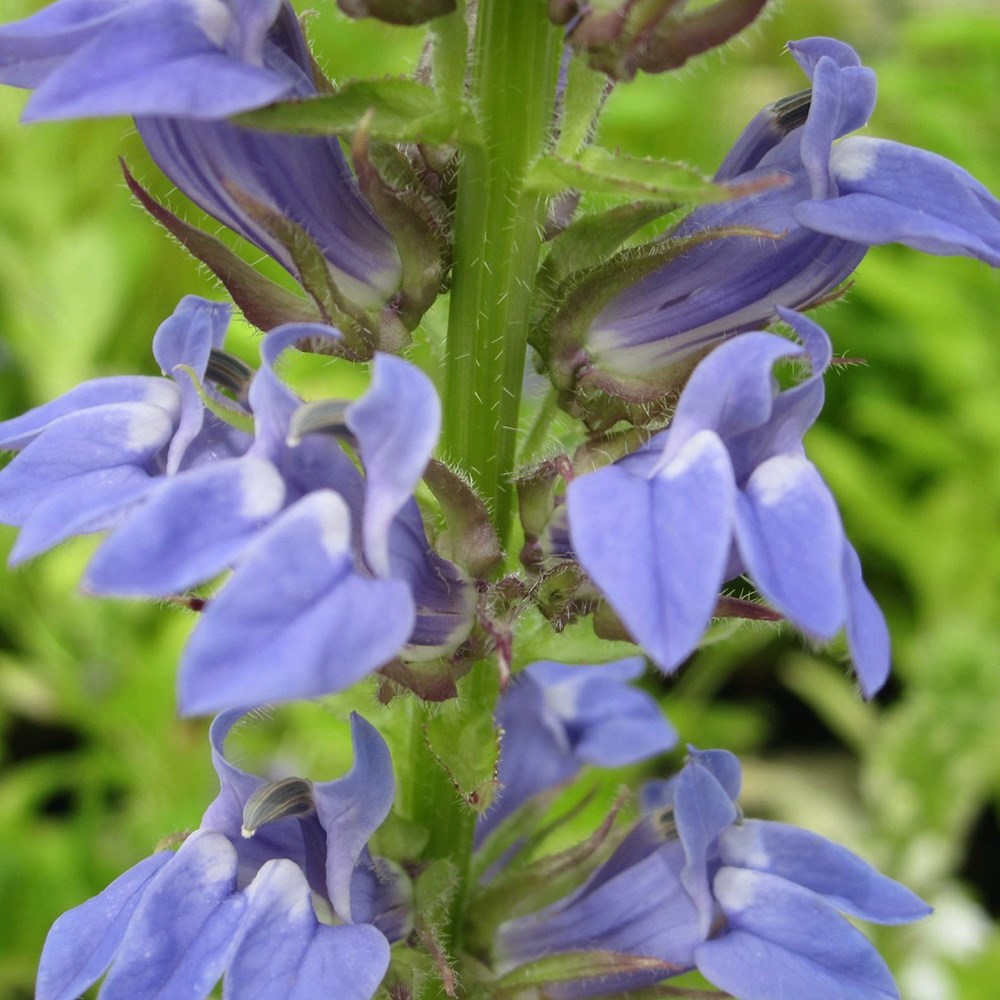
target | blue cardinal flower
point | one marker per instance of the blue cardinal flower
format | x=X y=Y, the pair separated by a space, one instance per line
x=839 y=199
x=755 y=906
x=192 y=58
x=255 y=905
x=726 y=490
x=333 y=575
x=89 y=456
x=557 y=718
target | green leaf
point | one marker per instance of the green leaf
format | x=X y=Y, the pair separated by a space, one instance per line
x=601 y=171
x=575 y=966
x=465 y=742
x=397 y=110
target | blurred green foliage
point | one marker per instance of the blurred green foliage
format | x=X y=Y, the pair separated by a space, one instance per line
x=96 y=766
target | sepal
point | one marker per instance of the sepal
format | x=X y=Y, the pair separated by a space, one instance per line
x=263 y=303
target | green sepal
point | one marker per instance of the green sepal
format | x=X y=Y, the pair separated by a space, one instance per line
x=574 y=967
x=263 y=303
x=576 y=643
x=239 y=419
x=470 y=540
x=601 y=171
x=593 y=239
x=525 y=888
x=415 y=227
x=361 y=333
x=466 y=744
x=583 y=96
x=407 y=12
x=396 y=109
x=434 y=891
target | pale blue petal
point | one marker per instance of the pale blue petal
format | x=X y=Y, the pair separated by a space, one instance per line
x=154 y=58
x=352 y=808
x=19 y=431
x=812 y=861
x=731 y=391
x=192 y=528
x=118 y=436
x=786 y=943
x=83 y=941
x=296 y=620
x=396 y=424
x=184 y=930
x=286 y=953
x=657 y=547
x=791 y=541
x=891 y=193
x=867 y=632
x=702 y=810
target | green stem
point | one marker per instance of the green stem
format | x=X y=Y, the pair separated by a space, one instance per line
x=497 y=239
x=498 y=233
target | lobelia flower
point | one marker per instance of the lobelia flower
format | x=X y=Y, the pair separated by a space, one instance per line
x=753 y=905
x=841 y=198
x=89 y=456
x=237 y=899
x=557 y=718
x=725 y=490
x=333 y=574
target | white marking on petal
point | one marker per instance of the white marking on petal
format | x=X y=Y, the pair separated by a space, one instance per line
x=335 y=524
x=854 y=158
x=735 y=888
x=165 y=395
x=214 y=19
x=147 y=428
x=263 y=490
x=776 y=478
x=744 y=846
x=690 y=454
x=563 y=698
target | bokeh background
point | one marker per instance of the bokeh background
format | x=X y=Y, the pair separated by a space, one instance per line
x=95 y=768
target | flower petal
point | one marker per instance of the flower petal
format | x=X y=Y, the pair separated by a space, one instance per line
x=296 y=620
x=286 y=952
x=350 y=809
x=183 y=932
x=396 y=424
x=867 y=632
x=192 y=527
x=83 y=941
x=815 y=863
x=657 y=547
x=786 y=943
x=791 y=541
x=891 y=193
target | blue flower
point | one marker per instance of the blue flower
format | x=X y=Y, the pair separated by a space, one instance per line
x=92 y=454
x=557 y=718
x=192 y=58
x=238 y=902
x=725 y=490
x=333 y=575
x=840 y=198
x=753 y=905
